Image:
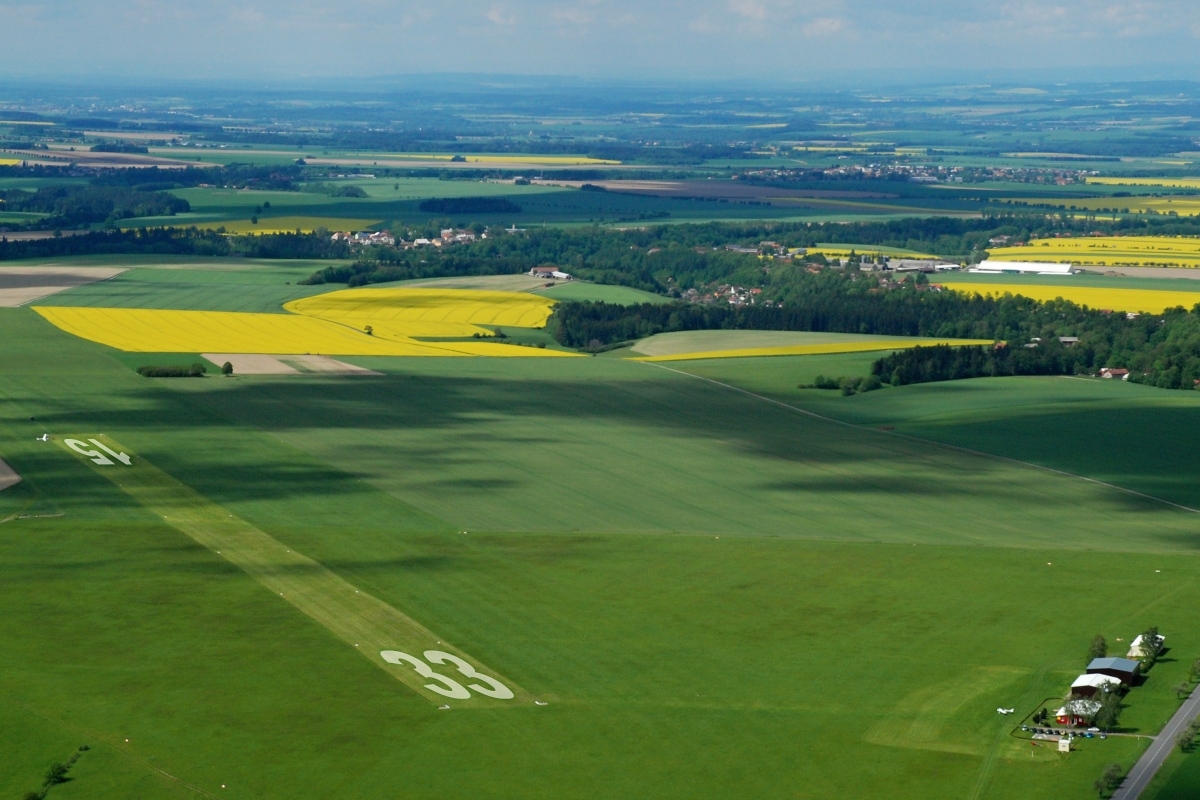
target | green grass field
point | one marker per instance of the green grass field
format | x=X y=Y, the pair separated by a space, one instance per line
x=620 y=295
x=712 y=593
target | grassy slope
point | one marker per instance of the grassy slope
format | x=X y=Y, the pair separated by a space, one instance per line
x=252 y=290
x=700 y=666
x=620 y=295
x=1130 y=435
x=679 y=342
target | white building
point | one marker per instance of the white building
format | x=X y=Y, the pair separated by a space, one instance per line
x=1089 y=684
x=1135 y=647
x=1035 y=267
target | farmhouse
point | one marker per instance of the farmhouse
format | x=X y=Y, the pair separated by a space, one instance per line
x=550 y=272
x=1089 y=685
x=1122 y=669
x=1122 y=374
x=1077 y=713
x=1135 y=647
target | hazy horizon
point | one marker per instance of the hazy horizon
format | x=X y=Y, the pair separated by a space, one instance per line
x=784 y=41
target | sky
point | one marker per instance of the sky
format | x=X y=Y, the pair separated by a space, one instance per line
x=779 y=40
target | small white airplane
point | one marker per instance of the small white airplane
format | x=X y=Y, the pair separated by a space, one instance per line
x=1005 y=710
x=45 y=437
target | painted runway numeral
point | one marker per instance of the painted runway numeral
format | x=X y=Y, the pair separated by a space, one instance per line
x=448 y=686
x=494 y=688
x=96 y=456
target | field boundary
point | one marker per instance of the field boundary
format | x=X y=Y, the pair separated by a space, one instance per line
x=910 y=437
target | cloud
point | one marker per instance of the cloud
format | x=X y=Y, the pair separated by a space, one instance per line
x=750 y=9
x=824 y=26
x=573 y=16
x=499 y=16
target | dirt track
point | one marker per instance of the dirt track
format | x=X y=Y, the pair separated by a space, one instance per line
x=8 y=476
x=21 y=285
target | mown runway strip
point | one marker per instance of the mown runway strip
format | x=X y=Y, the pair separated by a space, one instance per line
x=390 y=639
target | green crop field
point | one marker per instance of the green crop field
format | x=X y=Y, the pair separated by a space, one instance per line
x=691 y=589
x=621 y=295
x=149 y=287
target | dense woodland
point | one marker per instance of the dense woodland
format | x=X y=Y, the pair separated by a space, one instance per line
x=72 y=206
x=176 y=241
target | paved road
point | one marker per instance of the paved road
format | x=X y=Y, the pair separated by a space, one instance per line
x=1143 y=771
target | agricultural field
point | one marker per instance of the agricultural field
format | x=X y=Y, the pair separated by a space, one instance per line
x=1177 y=205
x=396 y=200
x=1137 y=251
x=600 y=293
x=1133 y=300
x=845 y=251
x=396 y=322
x=691 y=345
x=1173 y=183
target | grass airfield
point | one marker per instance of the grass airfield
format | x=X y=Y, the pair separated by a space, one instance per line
x=712 y=593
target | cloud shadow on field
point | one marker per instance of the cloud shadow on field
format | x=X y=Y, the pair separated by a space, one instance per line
x=475 y=409
x=444 y=428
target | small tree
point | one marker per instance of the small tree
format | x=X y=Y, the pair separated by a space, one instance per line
x=1109 y=779
x=57 y=773
x=1099 y=648
x=1196 y=669
x=1182 y=689
x=1110 y=709
x=1187 y=739
x=1151 y=646
x=227 y=368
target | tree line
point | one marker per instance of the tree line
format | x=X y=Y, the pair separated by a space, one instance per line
x=177 y=241
x=1161 y=350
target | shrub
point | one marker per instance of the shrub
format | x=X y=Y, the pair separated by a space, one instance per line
x=57 y=773
x=1109 y=779
x=194 y=371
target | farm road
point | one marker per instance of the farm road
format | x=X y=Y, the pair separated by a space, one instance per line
x=1144 y=770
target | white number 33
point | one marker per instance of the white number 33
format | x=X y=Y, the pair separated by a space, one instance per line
x=448 y=687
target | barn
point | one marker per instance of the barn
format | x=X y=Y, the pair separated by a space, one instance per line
x=1088 y=685
x=1123 y=669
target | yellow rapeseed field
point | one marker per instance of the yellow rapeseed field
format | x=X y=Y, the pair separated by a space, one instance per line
x=1138 y=251
x=1175 y=183
x=427 y=312
x=1144 y=300
x=9 y=162
x=335 y=326
x=815 y=349
x=1179 y=205
x=844 y=252
x=267 y=225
